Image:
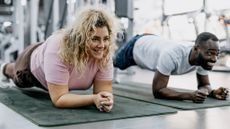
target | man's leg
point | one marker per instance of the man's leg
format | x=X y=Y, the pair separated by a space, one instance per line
x=124 y=56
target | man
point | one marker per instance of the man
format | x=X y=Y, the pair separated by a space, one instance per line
x=167 y=58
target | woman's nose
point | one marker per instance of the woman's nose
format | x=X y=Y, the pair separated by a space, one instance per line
x=101 y=44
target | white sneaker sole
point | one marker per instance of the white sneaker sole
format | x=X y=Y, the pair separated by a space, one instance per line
x=4 y=81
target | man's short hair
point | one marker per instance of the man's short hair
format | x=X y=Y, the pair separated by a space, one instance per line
x=205 y=36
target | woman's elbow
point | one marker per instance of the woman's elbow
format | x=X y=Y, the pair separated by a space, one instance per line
x=59 y=104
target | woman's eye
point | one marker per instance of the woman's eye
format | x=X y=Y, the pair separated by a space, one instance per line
x=106 y=39
x=94 y=39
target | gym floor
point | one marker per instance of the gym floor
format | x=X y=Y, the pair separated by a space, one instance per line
x=211 y=118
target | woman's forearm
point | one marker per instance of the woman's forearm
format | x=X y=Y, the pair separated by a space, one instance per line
x=73 y=101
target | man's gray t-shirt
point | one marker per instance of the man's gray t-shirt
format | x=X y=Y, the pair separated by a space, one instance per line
x=167 y=56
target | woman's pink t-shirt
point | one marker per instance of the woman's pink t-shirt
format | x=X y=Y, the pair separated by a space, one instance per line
x=47 y=66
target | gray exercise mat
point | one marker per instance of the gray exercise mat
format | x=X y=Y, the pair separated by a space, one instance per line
x=35 y=105
x=140 y=91
x=221 y=68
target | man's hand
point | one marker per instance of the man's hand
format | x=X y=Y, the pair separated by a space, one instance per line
x=220 y=93
x=199 y=96
x=104 y=101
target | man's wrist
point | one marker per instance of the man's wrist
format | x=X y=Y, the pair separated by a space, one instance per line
x=211 y=94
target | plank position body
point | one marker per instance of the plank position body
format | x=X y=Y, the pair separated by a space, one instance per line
x=167 y=57
x=74 y=58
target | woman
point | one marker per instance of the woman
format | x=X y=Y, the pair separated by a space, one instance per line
x=73 y=58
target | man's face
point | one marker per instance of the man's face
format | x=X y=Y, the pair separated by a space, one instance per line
x=208 y=54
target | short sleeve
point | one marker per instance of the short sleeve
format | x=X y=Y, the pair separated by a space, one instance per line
x=55 y=70
x=165 y=64
x=106 y=73
x=201 y=71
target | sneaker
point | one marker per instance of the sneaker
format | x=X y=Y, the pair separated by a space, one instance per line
x=4 y=81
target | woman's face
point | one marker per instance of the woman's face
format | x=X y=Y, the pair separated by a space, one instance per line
x=99 y=42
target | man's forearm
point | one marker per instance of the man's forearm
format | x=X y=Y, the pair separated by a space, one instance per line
x=166 y=93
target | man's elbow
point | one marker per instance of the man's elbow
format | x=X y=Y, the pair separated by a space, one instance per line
x=157 y=94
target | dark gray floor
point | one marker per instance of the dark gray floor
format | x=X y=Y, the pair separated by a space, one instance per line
x=212 y=118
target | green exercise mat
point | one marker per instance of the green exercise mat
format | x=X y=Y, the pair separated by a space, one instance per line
x=140 y=91
x=35 y=105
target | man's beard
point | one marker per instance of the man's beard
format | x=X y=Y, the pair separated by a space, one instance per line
x=201 y=61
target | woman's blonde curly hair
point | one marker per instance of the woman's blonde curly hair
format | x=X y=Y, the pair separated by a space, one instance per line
x=73 y=50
